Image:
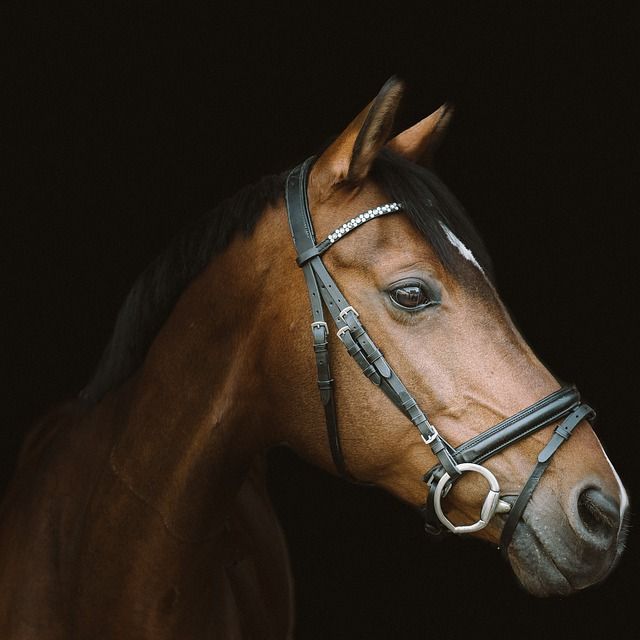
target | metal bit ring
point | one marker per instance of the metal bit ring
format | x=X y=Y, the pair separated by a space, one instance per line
x=492 y=502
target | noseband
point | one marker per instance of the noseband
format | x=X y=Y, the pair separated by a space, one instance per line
x=563 y=405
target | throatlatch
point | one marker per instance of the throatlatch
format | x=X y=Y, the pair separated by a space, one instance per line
x=563 y=404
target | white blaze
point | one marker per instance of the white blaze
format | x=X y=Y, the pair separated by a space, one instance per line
x=458 y=244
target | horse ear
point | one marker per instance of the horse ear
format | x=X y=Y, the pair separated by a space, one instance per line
x=420 y=142
x=351 y=155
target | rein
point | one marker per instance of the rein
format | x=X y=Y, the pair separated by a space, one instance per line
x=563 y=404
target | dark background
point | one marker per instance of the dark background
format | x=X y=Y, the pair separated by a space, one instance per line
x=128 y=120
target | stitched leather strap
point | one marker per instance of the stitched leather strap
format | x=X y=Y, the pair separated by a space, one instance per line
x=561 y=434
x=322 y=288
x=304 y=241
x=531 y=419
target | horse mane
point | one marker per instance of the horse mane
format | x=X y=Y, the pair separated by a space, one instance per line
x=426 y=201
x=156 y=291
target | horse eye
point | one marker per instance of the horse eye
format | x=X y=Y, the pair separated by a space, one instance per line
x=411 y=297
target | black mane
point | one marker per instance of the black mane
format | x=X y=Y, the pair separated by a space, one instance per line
x=425 y=199
x=157 y=289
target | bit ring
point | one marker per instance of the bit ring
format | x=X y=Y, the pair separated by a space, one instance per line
x=492 y=502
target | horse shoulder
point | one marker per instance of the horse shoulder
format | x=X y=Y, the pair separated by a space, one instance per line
x=41 y=518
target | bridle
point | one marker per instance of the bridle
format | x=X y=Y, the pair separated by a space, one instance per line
x=562 y=405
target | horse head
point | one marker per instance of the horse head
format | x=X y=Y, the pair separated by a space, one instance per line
x=412 y=297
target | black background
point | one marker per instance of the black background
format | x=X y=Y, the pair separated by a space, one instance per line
x=128 y=120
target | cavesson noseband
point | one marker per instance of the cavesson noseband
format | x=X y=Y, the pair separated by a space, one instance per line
x=564 y=404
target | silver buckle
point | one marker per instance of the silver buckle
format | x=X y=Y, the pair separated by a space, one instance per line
x=318 y=324
x=346 y=310
x=431 y=438
x=342 y=331
x=492 y=503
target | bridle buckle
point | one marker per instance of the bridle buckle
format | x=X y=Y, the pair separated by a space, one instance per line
x=431 y=438
x=346 y=310
x=340 y=332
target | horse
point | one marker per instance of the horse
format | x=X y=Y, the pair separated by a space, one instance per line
x=140 y=508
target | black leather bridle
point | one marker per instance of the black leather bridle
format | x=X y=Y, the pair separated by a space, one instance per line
x=562 y=405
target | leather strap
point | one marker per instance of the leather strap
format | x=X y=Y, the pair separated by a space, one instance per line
x=545 y=411
x=322 y=288
x=561 y=434
x=531 y=419
x=304 y=241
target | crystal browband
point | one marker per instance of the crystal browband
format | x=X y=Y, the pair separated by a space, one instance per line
x=361 y=218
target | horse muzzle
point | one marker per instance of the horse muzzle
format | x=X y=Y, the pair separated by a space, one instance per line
x=557 y=551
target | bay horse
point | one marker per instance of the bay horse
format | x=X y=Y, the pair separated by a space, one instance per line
x=140 y=509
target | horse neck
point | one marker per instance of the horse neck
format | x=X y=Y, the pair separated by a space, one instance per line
x=195 y=421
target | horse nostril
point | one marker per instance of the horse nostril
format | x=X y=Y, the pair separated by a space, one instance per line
x=599 y=513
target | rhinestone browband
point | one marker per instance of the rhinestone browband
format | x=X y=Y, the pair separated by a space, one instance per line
x=361 y=218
